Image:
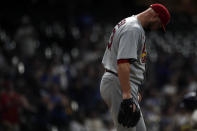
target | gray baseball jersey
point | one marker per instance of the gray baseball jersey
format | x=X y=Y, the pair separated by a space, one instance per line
x=127 y=41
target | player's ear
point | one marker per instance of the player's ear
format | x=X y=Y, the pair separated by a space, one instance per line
x=155 y=14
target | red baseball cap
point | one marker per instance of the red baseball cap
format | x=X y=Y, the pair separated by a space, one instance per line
x=163 y=13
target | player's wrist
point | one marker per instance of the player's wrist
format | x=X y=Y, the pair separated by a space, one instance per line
x=126 y=95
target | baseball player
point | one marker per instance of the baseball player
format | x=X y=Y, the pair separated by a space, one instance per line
x=124 y=62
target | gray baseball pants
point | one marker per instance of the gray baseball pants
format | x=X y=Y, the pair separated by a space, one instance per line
x=111 y=93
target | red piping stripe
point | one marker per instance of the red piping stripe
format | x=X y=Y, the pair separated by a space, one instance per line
x=122 y=61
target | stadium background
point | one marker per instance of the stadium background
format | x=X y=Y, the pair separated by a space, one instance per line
x=50 y=64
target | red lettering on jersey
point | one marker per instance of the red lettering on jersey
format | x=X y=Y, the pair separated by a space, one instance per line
x=144 y=48
x=144 y=54
x=111 y=39
x=121 y=23
x=113 y=33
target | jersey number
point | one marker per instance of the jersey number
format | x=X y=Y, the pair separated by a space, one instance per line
x=113 y=33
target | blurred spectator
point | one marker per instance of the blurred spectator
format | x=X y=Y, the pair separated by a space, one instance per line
x=58 y=114
x=11 y=103
x=78 y=122
x=26 y=38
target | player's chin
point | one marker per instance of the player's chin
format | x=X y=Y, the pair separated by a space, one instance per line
x=154 y=28
x=151 y=28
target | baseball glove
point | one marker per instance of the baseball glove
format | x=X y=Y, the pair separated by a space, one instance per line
x=126 y=116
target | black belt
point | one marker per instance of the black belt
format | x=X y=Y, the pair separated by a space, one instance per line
x=106 y=70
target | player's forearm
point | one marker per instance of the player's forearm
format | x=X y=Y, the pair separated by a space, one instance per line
x=123 y=74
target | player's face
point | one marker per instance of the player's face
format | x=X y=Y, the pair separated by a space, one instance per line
x=155 y=23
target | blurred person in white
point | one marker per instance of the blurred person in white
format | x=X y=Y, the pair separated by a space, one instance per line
x=192 y=83
x=78 y=123
x=186 y=118
x=152 y=110
x=25 y=38
x=81 y=122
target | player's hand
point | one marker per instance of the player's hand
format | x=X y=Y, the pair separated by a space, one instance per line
x=126 y=95
x=129 y=113
x=129 y=96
